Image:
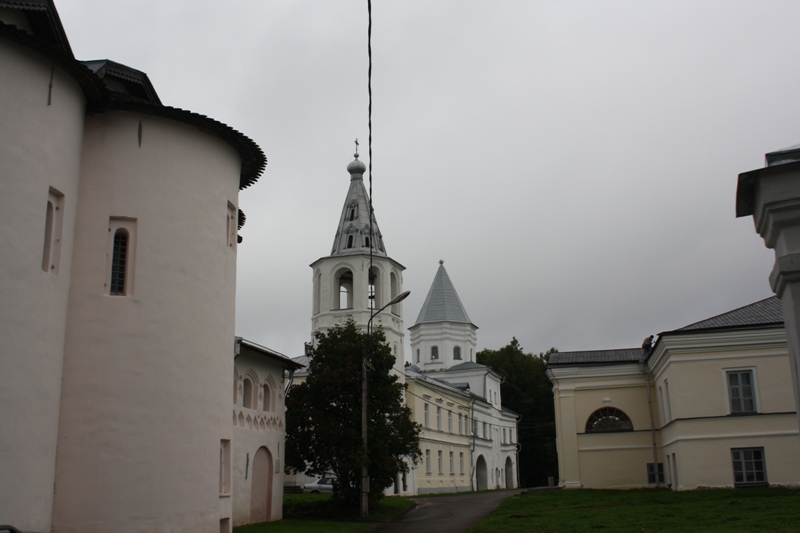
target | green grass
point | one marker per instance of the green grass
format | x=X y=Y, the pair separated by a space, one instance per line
x=316 y=512
x=757 y=509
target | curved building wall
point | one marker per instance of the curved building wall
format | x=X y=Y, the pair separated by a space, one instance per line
x=146 y=402
x=40 y=149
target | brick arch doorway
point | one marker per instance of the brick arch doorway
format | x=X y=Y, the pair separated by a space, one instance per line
x=261 y=487
x=481 y=474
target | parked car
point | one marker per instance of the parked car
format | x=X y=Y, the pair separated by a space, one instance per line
x=323 y=484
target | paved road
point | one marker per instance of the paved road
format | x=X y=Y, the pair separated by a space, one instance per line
x=448 y=514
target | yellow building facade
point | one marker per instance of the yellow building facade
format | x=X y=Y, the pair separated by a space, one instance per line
x=710 y=404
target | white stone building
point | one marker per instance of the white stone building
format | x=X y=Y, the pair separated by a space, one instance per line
x=259 y=431
x=443 y=344
x=468 y=440
x=118 y=231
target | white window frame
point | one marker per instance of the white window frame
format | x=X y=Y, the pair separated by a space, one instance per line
x=756 y=396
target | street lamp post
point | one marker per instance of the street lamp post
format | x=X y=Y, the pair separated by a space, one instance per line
x=364 y=468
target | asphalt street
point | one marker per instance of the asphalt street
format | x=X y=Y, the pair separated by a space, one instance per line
x=448 y=514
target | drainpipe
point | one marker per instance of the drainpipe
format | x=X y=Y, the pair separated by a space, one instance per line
x=517 y=448
x=472 y=429
x=652 y=418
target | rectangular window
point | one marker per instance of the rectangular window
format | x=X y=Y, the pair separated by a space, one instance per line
x=504 y=435
x=120 y=256
x=461 y=462
x=667 y=404
x=661 y=405
x=749 y=467
x=426 y=408
x=54 y=216
x=452 y=464
x=417 y=355
x=232 y=225
x=741 y=392
x=460 y=425
x=438 y=418
x=651 y=475
x=449 y=421
x=474 y=427
x=439 y=457
x=224 y=467
x=427 y=461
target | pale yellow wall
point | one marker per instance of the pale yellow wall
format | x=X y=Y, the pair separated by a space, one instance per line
x=40 y=148
x=594 y=460
x=441 y=440
x=696 y=430
x=145 y=394
x=698 y=387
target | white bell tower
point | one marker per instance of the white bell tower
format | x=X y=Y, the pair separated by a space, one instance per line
x=344 y=286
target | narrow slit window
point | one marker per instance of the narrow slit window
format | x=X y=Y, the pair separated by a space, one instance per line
x=119 y=262
x=51 y=250
x=120 y=258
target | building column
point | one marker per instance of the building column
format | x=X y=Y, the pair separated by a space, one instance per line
x=772 y=196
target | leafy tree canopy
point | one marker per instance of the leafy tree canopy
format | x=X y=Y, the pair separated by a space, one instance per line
x=323 y=415
x=528 y=391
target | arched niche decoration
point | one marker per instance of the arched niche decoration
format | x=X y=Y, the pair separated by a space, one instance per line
x=608 y=419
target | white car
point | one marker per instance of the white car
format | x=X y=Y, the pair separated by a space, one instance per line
x=323 y=484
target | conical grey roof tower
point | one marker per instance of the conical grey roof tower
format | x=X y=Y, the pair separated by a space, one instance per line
x=443 y=335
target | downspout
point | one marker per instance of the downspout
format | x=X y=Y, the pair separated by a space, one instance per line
x=518 y=447
x=472 y=429
x=652 y=418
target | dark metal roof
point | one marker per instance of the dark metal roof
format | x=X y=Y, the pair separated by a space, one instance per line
x=598 y=357
x=44 y=22
x=767 y=312
x=50 y=41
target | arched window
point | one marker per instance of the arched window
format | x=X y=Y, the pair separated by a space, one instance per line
x=267 y=406
x=352 y=213
x=374 y=293
x=247 y=393
x=349 y=241
x=344 y=281
x=434 y=352
x=456 y=352
x=317 y=292
x=119 y=261
x=393 y=290
x=608 y=419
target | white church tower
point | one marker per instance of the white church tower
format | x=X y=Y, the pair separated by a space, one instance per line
x=443 y=335
x=344 y=285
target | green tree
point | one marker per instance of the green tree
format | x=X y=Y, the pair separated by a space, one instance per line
x=323 y=415
x=528 y=391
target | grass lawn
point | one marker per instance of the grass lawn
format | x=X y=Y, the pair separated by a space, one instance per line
x=315 y=512
x=653 y=510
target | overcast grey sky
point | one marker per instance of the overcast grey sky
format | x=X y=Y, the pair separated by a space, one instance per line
x=573 y=162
